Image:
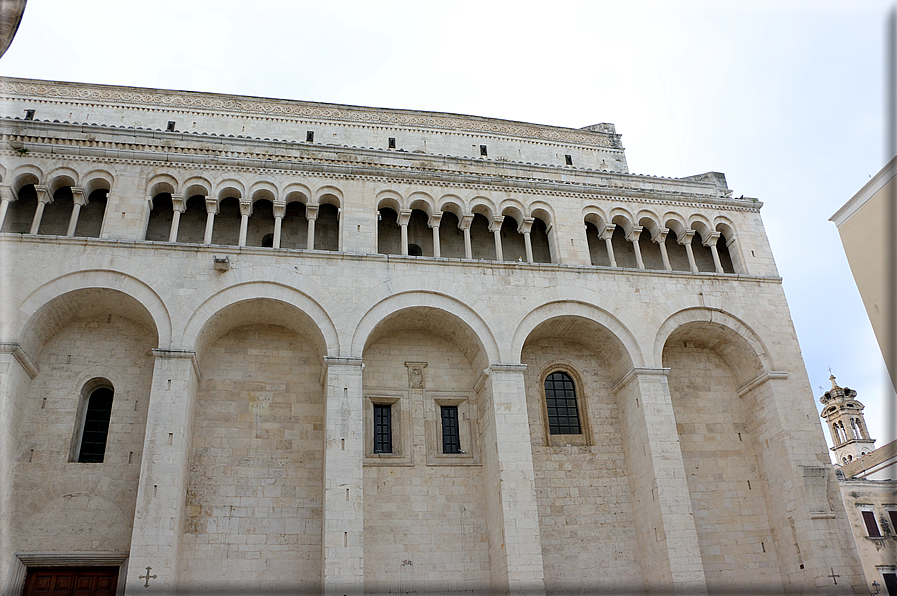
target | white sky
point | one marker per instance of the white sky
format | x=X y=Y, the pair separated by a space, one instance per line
x=785 y=98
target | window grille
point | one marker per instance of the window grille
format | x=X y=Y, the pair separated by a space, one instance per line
x=560 y=401
x=382 y=428
x=96 y=426
x=451 y=440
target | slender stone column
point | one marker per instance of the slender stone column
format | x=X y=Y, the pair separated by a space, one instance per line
x=6 y=197
x=665 y=528
x=495 y=228
x=211 y=211
x=632 y=236
x=44 y=196
x=78 y=201
x=178 y=206
x=661 y=239
x=280 y=209
x=464 y=224
x=686 y=242
x=343 y=516
x=607 y=235
x=515 y=551
x=525 y=228
x=710 y=241
x=164 y=473
x=404 y=218
x=311 y=214
x=434 y=224
x=245 y=212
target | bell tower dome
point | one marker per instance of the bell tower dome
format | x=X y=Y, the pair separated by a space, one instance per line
x=844 y=416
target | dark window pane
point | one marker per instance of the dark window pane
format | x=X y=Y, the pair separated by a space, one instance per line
x=893 y=515
x=890 y=582
x=382 y=428
x=871 y=524
x=560 y=401
x=451 y=441
x=96 y=426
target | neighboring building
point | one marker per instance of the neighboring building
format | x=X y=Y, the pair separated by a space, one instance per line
x=276 y=344
x=867 y=224
x=871 y=504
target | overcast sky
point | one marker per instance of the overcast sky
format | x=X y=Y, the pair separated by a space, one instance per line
x=785 y=98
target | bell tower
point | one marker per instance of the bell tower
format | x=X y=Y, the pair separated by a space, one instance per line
x=844 y=416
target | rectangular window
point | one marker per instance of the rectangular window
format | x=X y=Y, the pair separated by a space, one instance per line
x=310 y=136
x=871 y=524
x=392 y=142
x=483 y=150
x=568 y=159
x=890 y=582
x=382 y=428
x=892 y=514
x=451 y=439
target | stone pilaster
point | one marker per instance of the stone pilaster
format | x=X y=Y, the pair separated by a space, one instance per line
x=16 y=372
x=164 y=473
x=667 y=537
x=512 y=524
x=343 y=523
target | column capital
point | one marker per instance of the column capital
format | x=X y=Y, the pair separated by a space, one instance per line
x=638 y=371
x=435 y=219
x=404 y=216
x=502 y=367
x=711 y=239
x=6 y=193
x=465 y=221
x=660 y=235
x=43 y=193
x=245 y=207
x=280 y=208
x=608 y=232
x=634 y=233
x=497 y=220
x=212 y=205
x=686 y=237
x=178 y=203
x=526 y=225
x=179 y=354
x=79 y=197
x=311 y=211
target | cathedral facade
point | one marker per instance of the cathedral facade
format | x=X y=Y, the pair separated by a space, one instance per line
x=280 y=344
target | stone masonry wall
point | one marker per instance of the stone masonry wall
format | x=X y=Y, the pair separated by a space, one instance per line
x=254 y=496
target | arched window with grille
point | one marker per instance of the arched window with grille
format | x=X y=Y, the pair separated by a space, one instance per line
x=560 y=405
x=94 y=425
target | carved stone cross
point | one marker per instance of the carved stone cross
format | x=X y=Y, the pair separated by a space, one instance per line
x=834 y=576
x=148 y=577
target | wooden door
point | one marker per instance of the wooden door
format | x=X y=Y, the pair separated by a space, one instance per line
x=68 y=581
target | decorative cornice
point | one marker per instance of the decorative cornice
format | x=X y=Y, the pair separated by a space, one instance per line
x=361 y=171
x=192 y=101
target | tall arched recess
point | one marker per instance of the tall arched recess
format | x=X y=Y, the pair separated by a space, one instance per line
x=79 y=340
x=577 y=352
x=259 y=413
x=713 y=359
x=423 y=360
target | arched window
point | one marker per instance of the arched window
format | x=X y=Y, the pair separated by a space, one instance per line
x=560 y=403
x=95 y=426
